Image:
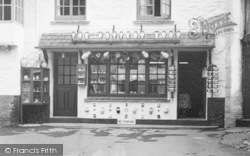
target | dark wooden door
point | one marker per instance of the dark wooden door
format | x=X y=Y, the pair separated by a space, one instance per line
x=65 y=88
x=246 y=85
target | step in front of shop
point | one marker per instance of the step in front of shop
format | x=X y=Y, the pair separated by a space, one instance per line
x=187 y=122
x=243 y=123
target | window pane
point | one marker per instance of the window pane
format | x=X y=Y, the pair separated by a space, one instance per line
x=75 y=2
x=153 y=69
x=121 y=69
x=7 y=1
x=73 y=60
x=161 y=69
x=66 y=70
x=102 y=69
x=113 y=88
x=66 y=10
x=60 y=11
x=60 y=79
x=113 y=69
x=157 y=8
x=121 y=88
x=73 y=70
x=82 y=2
x=101 y=88
x=75 y=10
x=73 y=79
x=161 y=89
x=141 y=78
x=93 y=78
x=113 y=78
x=1 y=1
x=82 y=10
x=60 y=61
x=61 y=2
x=94 y=68
x=16 y=14
x=60 y=70
x=1 y=13
x=66 y=2
x=133 y=78
x=66 y=79
x=143 y=10
x=7 y=13
x=149 y=10
x=149 y=2
x=67 y=61
x=141 y=89
x=141 y=69
x=152 y=88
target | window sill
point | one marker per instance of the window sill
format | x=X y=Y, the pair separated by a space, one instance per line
x=69 y=22
x=126 y=99
x=163 y=21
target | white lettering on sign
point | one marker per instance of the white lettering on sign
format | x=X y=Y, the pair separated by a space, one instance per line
x=126 y=121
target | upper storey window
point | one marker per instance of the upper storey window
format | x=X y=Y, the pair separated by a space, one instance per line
x=11 y=10
x=153 y=9
x=71 y=9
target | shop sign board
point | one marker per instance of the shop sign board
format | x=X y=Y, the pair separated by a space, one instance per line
x=219 y=24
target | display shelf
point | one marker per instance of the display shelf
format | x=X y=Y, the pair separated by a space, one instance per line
x=34 y=88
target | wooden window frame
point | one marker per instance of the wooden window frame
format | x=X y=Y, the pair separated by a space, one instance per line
x=13 y=6
x=70 y=17
x=127 y=77
x=153 y=17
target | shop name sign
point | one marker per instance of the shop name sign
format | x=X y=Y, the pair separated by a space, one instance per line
x=214 y=25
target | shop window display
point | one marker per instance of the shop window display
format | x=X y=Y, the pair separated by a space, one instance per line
x=127 y=74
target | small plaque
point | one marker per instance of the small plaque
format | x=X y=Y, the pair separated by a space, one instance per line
x=126 y=121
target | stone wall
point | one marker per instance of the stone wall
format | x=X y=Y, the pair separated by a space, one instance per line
x=9 y=110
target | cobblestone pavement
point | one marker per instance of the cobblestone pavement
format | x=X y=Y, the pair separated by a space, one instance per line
x=239 y=139
x=125 y=140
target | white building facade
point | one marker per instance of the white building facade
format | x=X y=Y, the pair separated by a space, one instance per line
x=143 y=61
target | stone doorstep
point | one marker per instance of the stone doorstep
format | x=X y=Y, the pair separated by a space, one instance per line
x=116 y=125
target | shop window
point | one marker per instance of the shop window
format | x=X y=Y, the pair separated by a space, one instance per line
x=153 y=9
x=70 y=9
x=7 y=13
x=127 y=74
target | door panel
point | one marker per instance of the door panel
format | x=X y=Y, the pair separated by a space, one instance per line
x=246 y=108
x=65 y=88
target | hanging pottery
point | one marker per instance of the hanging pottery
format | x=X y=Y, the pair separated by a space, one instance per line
x=44 y=65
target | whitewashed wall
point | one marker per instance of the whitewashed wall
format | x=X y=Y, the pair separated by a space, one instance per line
x=103 y=14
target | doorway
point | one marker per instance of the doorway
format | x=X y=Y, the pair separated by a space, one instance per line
x=65 y=88
x=191 y=85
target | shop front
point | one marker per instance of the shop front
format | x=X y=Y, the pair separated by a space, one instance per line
x=135 y=78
